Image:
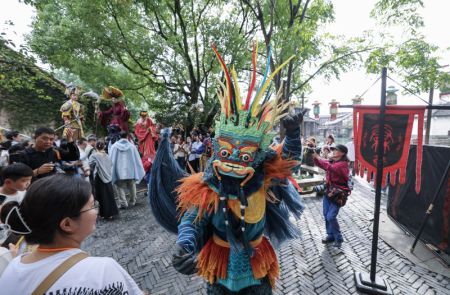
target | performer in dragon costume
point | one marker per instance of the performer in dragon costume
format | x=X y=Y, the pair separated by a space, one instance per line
x=228 y=217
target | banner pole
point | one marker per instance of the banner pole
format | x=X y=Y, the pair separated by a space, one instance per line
x=379 y=178
x=372 y=284
x=430 y=207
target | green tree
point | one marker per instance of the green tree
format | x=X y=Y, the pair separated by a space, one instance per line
x=27 y=90
x=159 y=51
x=412 y=58
x=156 y=51
x=294 y=26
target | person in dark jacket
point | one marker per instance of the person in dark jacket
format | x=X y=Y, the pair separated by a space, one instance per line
x=337 y=176
x=43 y=156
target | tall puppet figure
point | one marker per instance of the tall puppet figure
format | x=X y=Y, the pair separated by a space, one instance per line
x=226 y=216
x=145 y=131
x=72 y=113
x=118 y=112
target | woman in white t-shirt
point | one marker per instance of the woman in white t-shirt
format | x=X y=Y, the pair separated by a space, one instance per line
x=58 y=213
x=180 y=153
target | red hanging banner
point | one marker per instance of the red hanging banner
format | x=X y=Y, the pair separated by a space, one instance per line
x=398 y=126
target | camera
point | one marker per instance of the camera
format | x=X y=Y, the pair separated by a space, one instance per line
x=320 y=189
x=311 y=150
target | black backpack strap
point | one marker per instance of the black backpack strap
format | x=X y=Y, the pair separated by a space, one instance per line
x=2 y=199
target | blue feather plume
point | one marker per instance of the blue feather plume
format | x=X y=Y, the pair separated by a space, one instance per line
x=278 y=227
x=164 y=178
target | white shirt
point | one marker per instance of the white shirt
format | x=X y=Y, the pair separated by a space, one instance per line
x=85 y=161
x=191 y=156
x=88 y=149
x=351 y=151
x=195 y=146
x=4 y=158
x=178 y=152
x=5 y=259
x=18 y=196
x=93 y=275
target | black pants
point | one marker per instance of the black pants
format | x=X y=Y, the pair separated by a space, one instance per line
x=105 y=197
x=263 y=289
x=195 y=165
x=182 y=162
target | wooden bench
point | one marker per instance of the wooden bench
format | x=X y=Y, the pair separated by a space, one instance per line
x=308 y=182
x=311 y=169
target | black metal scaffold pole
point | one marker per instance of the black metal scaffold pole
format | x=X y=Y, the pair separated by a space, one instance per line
x=370 y=284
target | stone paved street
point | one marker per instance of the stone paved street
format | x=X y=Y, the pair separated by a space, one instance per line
x=142 y=247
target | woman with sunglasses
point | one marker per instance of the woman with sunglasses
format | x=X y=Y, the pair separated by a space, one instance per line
x=58 y=213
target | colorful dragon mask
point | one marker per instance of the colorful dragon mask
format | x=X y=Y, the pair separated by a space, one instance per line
x=244 y=131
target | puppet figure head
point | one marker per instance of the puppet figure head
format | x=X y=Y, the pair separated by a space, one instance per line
x=112 y=93
x=143 y=114
x=244 y=131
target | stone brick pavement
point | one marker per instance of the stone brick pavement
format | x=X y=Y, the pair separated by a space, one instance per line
x=142 y=247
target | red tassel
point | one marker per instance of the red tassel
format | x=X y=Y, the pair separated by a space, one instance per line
x=419 y=150
x=253 y=80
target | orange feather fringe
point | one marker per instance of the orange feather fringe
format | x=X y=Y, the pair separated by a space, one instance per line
x=194 y=193
x=264 y=262
x=212 y=262
x=278 y=167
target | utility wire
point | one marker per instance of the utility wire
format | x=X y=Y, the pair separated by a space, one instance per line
x=366 y=89
x=369 y=87
x=409 y=90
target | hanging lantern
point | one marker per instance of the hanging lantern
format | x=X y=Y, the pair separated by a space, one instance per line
x=333 y=109
x=391 y=96
x=357 y=100
x=316 y=109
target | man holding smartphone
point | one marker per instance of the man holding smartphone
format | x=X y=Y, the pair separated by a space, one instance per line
x=43 y=155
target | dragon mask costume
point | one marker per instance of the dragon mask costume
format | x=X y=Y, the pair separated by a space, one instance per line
x=228 y=217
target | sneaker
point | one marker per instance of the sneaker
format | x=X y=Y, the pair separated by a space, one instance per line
x=327 y=240
x=337 y=244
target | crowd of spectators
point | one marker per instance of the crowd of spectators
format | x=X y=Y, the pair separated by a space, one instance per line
x=51 y=192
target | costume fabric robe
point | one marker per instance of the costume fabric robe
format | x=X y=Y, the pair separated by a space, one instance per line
x=71 y=113
x=145 y=131
x=119 y=116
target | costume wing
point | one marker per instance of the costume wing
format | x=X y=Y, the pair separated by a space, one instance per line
x=164 y=178
x=278 y=227
x=91 y=94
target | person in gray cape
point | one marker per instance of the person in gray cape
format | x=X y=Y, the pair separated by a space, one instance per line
x=102 y=166
x=127 y=168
